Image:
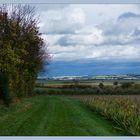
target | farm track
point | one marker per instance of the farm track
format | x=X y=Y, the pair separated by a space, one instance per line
x=53 y=116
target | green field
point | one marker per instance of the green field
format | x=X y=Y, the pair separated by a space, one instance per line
x=58 y=83
x=53 y=116
x=70 y=109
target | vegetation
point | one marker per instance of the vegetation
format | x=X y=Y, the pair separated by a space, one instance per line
x=86 y=89
x=21 y=52
x=101 y=85
x=22 y=56
x=116 y=103
x=115 y=83
x=126 y=84
x=123 y=110
x=52 y=116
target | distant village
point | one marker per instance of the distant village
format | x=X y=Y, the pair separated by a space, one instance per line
x=99 y=77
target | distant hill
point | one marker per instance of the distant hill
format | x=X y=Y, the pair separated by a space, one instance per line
x=90 y=67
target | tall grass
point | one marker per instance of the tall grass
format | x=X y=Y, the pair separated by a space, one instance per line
x=123 y=110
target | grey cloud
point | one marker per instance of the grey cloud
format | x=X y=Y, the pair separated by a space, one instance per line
x=136 y=32
x=45 y=7
x=63 y=42
x=67 y=41
x=128 y=15
x=125 y=30
x=124 y=24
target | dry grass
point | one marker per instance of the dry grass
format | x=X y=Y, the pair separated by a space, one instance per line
x=123 y=110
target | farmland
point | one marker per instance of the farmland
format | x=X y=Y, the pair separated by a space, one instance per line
x=118 y=104
x=53 y=116
x=60 y=83
x=123 y=110
x=123 y=87
x=69 y=70
x=75 y=109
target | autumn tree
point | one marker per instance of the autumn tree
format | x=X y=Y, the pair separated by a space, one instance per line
x=22 y=51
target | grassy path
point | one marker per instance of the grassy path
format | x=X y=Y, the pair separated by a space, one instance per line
x=52 y=116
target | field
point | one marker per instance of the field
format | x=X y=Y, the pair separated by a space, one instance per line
x=53 y=116
x=123 y=110
x=119 y=104
x=95 y=87
x=64 y=73
x=74 y=109
x=58 y=83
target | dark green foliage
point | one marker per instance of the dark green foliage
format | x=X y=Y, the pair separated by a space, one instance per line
x=4 y=92
x=115 y=83
x=126 y=84
x=101 y=85
x=88 y=90
x=75 y=82
x=21 y=50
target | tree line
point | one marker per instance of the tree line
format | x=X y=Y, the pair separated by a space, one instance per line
x=21 y=51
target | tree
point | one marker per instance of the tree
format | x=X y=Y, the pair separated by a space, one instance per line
x=126 y=84
x=101 y=85
x=22 y=51
x=115 y=83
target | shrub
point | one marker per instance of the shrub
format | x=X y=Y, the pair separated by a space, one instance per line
x=126 y=84
x=115 y=83
x=101 y=85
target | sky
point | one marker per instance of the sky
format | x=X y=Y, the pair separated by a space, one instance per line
x=91 y=39
x=71 y=1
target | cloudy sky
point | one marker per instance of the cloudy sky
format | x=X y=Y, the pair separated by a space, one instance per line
x=82 y=35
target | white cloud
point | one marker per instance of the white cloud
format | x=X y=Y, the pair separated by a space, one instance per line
x=85 y=36
x=51 y=39
x=97 y=53
x=74 y=32
x=99 y=13
x=60 y=21
x=116 y=52
x=88 y=36
x=122 y=31
x=91 y=39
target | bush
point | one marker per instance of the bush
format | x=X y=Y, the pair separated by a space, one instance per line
x=126 y=84
x=115 y=83
x=101 y=85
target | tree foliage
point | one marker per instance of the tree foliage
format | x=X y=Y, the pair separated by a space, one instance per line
x=21 y=50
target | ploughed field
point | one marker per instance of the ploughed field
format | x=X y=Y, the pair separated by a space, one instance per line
x=54 y=116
